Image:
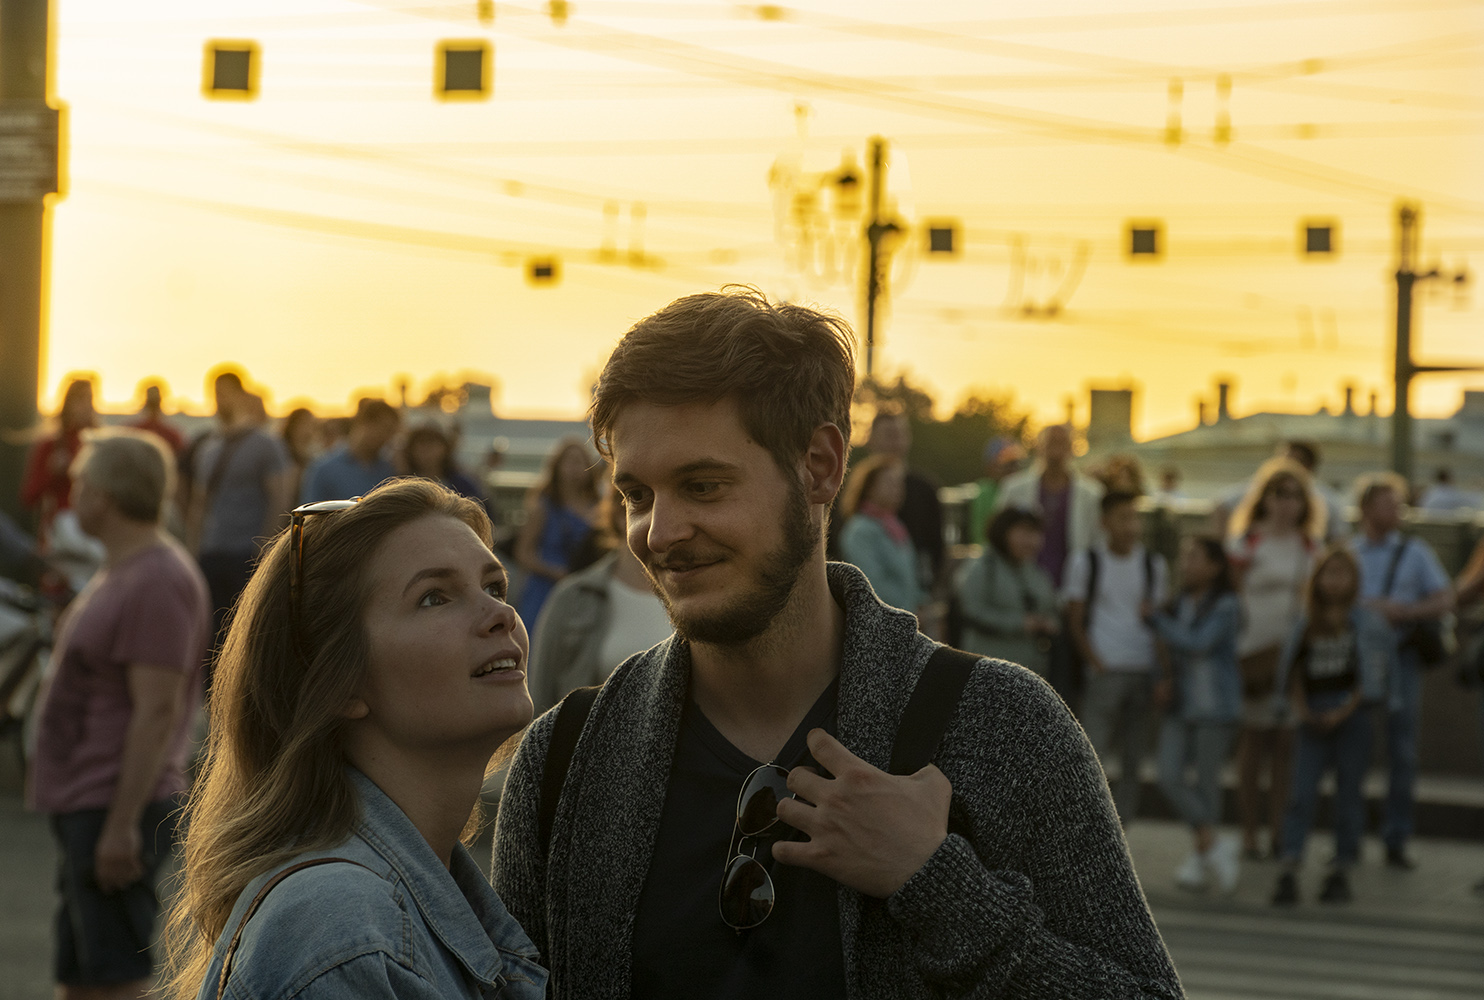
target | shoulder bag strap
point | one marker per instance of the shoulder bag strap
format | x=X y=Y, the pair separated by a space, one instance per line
x=219 y=468
x=1396 y=561
x=571 y=715
x=1094 y=567
x=930 y=708
x=221 y=983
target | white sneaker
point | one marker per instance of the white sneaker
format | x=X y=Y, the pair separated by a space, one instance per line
x=1225 y=862
x=1191 y=876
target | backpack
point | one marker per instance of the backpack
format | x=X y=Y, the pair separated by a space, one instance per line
x=924 y=721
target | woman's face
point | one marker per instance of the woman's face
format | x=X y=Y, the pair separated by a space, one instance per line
x=573 y=472
x=888 y=488
x=1024 y=543
x=1283 y=501
x=1336 y=581
x=1196 y=567
x=447 y=663
x=428 y=455
x=304 y=435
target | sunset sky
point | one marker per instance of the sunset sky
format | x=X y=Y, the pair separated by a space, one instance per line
x=346 y=227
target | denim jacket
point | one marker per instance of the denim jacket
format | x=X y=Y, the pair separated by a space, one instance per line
x=1375 y=649
x=408 y=927
x=1203 y=648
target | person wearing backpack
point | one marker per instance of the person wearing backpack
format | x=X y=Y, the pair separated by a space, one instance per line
x=798 y=794
x=1402 y=581
x=1110 y=591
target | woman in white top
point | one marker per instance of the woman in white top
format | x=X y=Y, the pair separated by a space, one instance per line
x=1272 y=537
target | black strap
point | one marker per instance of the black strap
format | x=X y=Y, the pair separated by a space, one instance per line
x=1094 y=567
x=221 y=983
x=572 y=714
x=1396 y=561
x=931 y=708
x=230 y=442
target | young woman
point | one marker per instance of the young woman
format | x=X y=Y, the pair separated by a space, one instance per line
x=1272 y=538
x=372 y=670
x=1203 y=699
x=560 y=513
x=1334 y=665
x=874 y=538
x=1006 y=601
x=428 y=454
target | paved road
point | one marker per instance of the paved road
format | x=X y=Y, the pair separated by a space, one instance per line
x=1408 y=935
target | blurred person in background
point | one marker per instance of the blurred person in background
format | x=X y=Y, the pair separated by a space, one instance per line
x=560 y=513
x=921 y=511
x=1273 y=536
x=152 y=418
x=1469 y=587
x=1304 y=454
x=1122 y=474
x=428 y=454
x=46 y=487
x=595 y=618
x=239 y=497
x=1002 y=458
x=1334 y=666
x=358 y=466
x=873 y=536
x=1169 y=485
x=1201 y=694
x=1111 y=590
x=300 y=434
x=115 y=717
x=1443 y=495
x=1402 y=581
x=1007 y=603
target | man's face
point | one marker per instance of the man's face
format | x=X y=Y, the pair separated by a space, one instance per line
x=891 y=436
x=1056 y=445
x=723 y=534
x=89 y=503
x=378 y=432
x=1383 y=511
x=1122 y=526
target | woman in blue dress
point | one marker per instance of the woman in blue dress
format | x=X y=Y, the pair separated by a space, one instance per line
x=559 y=518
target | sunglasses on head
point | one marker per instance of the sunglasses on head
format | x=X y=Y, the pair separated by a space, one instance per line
x=297 y=517
x=746 y=898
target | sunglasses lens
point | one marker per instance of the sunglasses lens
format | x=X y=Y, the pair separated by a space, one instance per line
x=757 y=806
x=746 y=894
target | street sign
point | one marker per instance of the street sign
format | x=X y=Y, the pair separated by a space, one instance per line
x=30 y=142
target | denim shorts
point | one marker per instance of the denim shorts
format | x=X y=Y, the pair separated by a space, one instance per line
x=103 y=938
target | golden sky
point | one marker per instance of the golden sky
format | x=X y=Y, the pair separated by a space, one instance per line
x=346 y=227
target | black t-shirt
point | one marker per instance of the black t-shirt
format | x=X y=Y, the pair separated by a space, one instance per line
x=682 y=949
x=1328 y=663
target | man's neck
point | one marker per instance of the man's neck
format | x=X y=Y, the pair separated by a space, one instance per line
x=362 y=451
x=1055 y=477
x=123 y=538
x=756 y=694
x=1375 y=534
x=1122 y=549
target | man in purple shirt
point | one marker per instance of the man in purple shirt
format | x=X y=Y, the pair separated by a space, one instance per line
x=114 y=726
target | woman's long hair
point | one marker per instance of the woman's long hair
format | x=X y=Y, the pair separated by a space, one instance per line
x=550 y=486
x=273 y=781
x=1253 y=509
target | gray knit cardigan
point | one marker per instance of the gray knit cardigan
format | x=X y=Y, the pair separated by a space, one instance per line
x=1039 y=899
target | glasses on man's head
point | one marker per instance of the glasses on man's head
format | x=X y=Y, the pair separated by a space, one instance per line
x=297 y=517
x=746 y=898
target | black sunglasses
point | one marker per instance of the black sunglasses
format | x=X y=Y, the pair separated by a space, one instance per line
x=296 y=541
x=746 y=898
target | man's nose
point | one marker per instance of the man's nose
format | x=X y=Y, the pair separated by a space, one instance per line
x=664 y=524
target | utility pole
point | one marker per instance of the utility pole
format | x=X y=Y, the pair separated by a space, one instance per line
x=29 y=130
x=1408 y=224
x=878 y=230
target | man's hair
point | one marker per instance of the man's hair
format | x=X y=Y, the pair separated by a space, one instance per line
x=1374 y=482
x=1305 y=453
x=369 y=410
x=791 y=369
x=1112 y=501
x=228 y=380
x=135 y=469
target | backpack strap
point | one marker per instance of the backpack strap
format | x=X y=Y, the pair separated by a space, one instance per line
x=1148 y=575
x=1094 y=568
x=572 y=714
x=221 y=983
x=930 y=708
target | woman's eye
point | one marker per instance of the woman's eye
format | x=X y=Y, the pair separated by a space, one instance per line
x=432 y=599
x=497 y=590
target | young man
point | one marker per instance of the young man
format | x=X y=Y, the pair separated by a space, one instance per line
x=359 y=466
x=727 y=418
x=1110 y=590
x=114 y=727
x=1401 y=580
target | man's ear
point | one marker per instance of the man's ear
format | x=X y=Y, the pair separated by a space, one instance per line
x=356 y=708
x=824 y=464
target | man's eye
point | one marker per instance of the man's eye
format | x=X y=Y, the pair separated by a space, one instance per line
x=634 y=498
x=704 y=488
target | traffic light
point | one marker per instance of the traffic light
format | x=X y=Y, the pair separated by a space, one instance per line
x=463 y=70
x=1145 y=239
x=230 y=71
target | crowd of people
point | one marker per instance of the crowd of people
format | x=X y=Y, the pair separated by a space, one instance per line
x=718 y=595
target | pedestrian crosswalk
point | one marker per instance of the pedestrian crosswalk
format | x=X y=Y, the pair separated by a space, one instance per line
x=1227 y=954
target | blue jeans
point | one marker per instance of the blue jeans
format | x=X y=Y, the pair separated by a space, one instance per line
x=1346 y=749
x=1204 y=744
x=1402 y=715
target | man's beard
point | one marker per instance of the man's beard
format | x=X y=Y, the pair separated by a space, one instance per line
x=754 y=611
